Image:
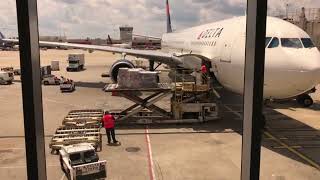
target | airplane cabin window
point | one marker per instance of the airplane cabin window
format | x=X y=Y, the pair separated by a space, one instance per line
x=291 y=42
x=274 y=43
x=267 y=41
x=307 y=43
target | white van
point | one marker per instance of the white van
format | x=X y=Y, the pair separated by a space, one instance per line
x=6 y=77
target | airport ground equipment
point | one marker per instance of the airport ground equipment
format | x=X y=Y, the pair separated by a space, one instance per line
x=75 y=62
x=69 y=135
x=45 y=71
x=190 y=103
x=6 y=77
x=17 y=71
x=80 y=161
x=67 y=86
x=55 y=65
x=51 y=80
x=7 y=69
x=83 y=118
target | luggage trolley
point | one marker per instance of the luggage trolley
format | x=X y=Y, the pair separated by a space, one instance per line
x=66 y=135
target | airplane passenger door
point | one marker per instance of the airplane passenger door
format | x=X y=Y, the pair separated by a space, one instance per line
x=226 y=53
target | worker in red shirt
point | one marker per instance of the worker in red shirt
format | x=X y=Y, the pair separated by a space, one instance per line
x=108 y=124
x=204 y=74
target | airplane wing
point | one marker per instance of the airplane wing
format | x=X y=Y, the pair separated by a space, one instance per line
x=158 y=56
x=151 y=37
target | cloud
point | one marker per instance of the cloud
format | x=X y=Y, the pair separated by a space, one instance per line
x=97 y=18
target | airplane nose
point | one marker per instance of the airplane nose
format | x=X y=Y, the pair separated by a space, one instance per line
x=310 y=65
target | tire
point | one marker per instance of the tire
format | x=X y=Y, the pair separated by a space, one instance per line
x=305 y=100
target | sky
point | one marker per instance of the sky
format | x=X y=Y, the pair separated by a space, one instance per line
x=98 y=18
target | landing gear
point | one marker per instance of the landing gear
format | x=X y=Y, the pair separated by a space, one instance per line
x=305 y=100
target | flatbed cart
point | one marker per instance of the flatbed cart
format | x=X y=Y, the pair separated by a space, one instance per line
x=81 y=118
x=66 y=135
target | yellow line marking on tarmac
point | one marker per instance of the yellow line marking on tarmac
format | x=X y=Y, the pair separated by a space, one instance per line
x=62 y=177
x=234 y=112
x=269 y=135
x=283 y=147
x=302 y=156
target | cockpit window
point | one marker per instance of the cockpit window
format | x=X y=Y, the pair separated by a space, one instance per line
x=307 y=43
x=274 y=43
x=291 y=42
x=267 y=41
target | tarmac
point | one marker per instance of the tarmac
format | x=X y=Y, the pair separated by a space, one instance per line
x=290 y=147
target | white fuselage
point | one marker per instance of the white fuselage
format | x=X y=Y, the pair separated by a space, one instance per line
x=289 y=71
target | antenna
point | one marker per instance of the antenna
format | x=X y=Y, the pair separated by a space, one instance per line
x=287 y=6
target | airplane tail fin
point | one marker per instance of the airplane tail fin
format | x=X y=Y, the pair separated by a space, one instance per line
x=2 y=36
x=109 y=39
x=169 y=28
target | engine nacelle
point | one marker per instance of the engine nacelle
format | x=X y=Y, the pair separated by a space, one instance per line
x=122 y=63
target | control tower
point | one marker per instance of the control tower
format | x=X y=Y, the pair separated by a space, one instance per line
x=126 y=33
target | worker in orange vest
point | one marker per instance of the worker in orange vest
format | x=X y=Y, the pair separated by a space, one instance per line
x=108 y=124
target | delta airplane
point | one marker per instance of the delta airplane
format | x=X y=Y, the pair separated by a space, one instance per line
x=292 y=62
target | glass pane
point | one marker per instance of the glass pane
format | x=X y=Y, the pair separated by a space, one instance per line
x=291 y=42
x=274 y=43
x=307 y=42
x=267 y=41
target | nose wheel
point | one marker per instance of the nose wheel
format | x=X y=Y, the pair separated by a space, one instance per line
x=305 y=100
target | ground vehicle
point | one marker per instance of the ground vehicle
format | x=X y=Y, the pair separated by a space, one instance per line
x=67 y=86
x=6 y=77
x=80 y=161
x=76 y=62
x=17 y=72
x=50 y=80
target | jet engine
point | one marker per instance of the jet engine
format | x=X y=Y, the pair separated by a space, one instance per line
x=122 y=63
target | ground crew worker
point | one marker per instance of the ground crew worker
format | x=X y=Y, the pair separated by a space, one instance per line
x=108 y=124
x=204 y=74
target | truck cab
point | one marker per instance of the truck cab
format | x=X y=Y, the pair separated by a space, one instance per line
x=80 y=162
x=75 y=62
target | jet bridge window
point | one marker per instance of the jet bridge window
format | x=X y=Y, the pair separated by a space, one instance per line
x=267 y=41
x=274 y=43
x=307 y=42
x=291 y=42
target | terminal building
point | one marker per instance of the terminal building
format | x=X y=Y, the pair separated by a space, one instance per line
x=126 y=36
x=307 y=19
x=126 y=33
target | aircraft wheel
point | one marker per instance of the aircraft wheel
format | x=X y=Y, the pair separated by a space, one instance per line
x=305 y=100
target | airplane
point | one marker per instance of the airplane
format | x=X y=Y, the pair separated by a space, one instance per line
x=119 y=45
x=292 y=62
